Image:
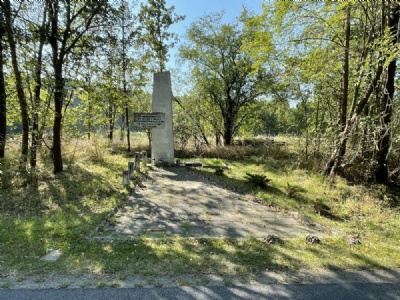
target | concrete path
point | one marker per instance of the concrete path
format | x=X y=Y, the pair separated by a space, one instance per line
x=176 y=201
x=356 y=291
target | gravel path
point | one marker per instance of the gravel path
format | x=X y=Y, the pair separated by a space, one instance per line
x=178 y=202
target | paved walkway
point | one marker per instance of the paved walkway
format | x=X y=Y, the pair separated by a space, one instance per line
x=176 y=201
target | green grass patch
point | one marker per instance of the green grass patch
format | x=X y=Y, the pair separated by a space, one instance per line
x=60 y=211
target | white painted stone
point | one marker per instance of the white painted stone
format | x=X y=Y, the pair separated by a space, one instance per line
x=52 y=255
x=162 y=139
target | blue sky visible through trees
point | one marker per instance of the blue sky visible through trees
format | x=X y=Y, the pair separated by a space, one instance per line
x=194 y=9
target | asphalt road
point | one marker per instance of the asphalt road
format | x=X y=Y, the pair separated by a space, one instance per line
x=342 y=291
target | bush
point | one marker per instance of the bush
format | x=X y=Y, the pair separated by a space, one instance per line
x=294 y=190
x=219 y=172
x=257 y=180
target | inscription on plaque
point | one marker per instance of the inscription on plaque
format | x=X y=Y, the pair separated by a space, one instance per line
x=149 y=120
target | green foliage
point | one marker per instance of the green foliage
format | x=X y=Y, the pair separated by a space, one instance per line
x=224 y=74
x=155 y=19
x=293 y=190
x=219 y=172
x=258 y=180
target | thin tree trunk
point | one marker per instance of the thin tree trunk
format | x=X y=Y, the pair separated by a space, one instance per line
x=122 y=134
x=128 y=132
x=57 y=124
x=124 y=62
x=335 y=160
x=36 y=99
x=19 y=86
x=59 y=85
x=110 y=121
x=89 y=118
x=89 y=122
x=217 y=139
x=381 y=173
x=3 y=106
x=345 y=81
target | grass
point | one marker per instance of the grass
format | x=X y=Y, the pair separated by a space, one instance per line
x=43 y=211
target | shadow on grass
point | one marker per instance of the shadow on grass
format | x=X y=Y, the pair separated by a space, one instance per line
x=57 y=212
x=236 y=257
x=242 y=186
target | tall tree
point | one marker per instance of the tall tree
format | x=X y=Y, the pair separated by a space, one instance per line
x=223 y=70
x=69 y=21
x=370 y=72
x=156 y=19
x=9 y=26
x=3 y=102
x=391 y=21
x=40 y=32
x=358 y=41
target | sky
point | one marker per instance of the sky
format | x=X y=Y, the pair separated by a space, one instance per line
x=194 y=9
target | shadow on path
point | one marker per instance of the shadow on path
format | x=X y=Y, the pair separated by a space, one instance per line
x=177 y=202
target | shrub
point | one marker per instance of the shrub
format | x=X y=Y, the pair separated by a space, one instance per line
x=219 y=172
x=257 y=180
x=294 y=190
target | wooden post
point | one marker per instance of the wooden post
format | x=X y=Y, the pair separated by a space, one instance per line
x=144 y=158
x=125 y=175
x=137 y=161
x=131 y=168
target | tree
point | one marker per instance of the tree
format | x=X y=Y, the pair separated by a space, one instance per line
x=156 y=19
x=345 y=51
x=69 y=21
x=381 y=171
x=40 y=31
x=9 y=28
x=3 y=102
x=380 y=44
x=223 y=71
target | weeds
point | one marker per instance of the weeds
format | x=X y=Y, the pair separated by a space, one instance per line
x=258 y=180
x=219 y=172
x=294 y=190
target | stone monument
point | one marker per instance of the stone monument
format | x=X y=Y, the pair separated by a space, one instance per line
x=162 y=137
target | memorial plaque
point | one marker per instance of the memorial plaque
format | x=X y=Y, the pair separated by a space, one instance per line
x=149 y=120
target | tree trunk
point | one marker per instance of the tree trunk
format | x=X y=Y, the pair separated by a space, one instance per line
x=335 y=159
x=345 y=81
x=217 y=139
x=3 y=110
x=228 y=122
x=19 y=86
x=128 y=131
x=36 y=99
x=122 y=133
x=89 y=118
x=381 y=172
x=58 y=105
x=228 y=134
x=57 y=61
x=110 y=122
